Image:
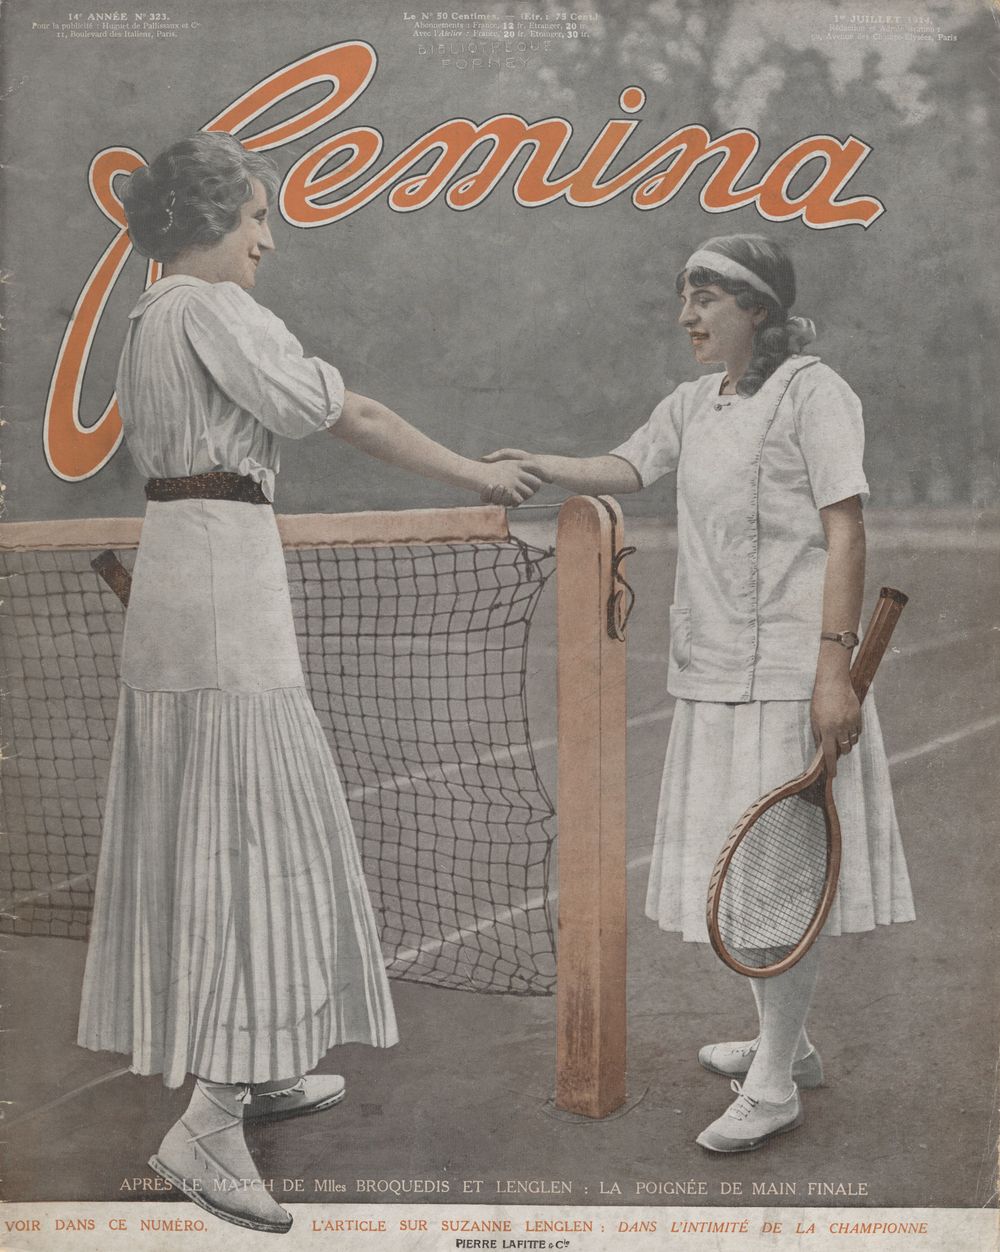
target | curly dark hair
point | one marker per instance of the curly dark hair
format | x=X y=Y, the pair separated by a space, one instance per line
x=192 y=193
x=778 y=336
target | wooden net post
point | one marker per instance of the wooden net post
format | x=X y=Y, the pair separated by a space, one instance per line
x=590 y=981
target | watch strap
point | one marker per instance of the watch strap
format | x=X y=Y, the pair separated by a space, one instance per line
x=846 y=638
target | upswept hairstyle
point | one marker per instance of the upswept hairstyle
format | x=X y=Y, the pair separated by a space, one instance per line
x=192 y=193
x=778 y=336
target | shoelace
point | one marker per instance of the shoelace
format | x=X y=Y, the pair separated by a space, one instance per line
x=743 y=1105
x=721 y=1050
x=215 y=1130
x=244 y=1096
x=273 y=1095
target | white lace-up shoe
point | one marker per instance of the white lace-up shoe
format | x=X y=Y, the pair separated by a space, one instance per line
x=311 y=1094
x=204 y=1156
x=732 y=1060
x=748 y=1123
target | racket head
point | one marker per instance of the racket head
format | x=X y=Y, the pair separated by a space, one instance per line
x=776 y=877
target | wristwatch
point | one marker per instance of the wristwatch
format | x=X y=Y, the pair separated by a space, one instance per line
x=846 y=638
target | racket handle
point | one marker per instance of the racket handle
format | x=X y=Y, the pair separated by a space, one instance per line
x=876 y=640
x=107 y=565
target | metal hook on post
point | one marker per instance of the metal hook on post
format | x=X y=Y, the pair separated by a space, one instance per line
x=621 y=598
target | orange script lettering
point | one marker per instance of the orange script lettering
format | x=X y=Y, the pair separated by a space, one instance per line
x=315 y=192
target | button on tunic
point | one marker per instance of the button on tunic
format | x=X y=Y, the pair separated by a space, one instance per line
x=752 y=475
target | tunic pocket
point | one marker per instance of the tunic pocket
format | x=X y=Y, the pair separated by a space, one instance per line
x=680 y=636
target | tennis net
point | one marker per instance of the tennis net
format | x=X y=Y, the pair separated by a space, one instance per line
x=413 y=629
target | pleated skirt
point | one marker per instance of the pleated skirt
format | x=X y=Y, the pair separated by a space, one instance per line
x=720 y=759
x=232 y=935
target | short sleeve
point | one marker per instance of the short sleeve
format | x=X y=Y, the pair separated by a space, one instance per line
x=831 y=434
x=654 y=448
x=258 y=362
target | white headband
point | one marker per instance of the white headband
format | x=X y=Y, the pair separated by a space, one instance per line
x=707 y=260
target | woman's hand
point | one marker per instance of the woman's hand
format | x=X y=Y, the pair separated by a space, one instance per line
x=509 y=481
x=507 y=454
x=836 y=719
x=593 y=475
x=534 y=463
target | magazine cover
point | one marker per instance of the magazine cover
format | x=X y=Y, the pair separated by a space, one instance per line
x=363 y=800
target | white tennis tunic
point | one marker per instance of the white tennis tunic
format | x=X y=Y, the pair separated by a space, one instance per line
x=232 y=935
x=752 y=475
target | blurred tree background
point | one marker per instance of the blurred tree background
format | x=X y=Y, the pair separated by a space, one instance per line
x=909 y=315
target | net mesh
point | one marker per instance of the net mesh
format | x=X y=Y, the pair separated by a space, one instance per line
x=416 y=660
x=774 y=882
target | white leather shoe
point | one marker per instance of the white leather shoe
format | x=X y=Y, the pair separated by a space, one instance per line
x=311 y=1094
x=188 y=1163
x=748 y=1123
x=204 y=1155
x=732 y=1060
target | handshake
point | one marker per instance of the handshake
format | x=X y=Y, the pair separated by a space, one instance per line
x=513 y=476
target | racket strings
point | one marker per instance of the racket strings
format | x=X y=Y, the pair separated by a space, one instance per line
x=774 y=882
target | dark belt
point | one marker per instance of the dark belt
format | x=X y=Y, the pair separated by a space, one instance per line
x=218 y=485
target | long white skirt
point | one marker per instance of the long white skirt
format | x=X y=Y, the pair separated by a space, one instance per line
x=720 y=759
x=232 y=935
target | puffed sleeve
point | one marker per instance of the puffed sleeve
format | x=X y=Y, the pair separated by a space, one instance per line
x=831 y=434
x=259 y=363
x=654 y=448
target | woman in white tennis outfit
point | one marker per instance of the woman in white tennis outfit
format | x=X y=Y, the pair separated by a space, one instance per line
x=770 y=574
x=232 y=935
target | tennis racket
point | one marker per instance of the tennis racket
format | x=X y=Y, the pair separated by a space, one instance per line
x=776 y=876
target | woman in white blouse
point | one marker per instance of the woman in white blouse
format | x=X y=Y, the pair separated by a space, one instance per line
x=770 y=574
x=232 y=936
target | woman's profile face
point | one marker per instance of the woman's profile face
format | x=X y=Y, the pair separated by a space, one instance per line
x=720 y=331
x=234 y=258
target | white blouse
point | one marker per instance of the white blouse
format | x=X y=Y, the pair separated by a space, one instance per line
x=752 y=475
x=208 y=379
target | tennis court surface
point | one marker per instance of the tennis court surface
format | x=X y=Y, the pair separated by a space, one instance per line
x=906 y=1018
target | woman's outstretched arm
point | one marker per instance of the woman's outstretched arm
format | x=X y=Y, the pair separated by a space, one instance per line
x=589 y=475
x=836 y=713
x=372 y=428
